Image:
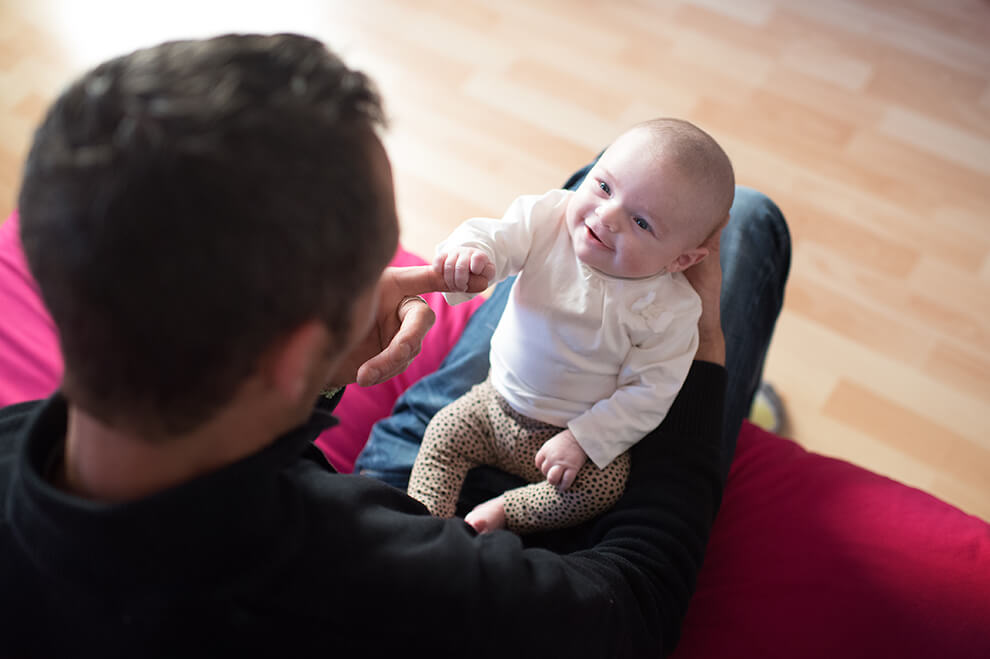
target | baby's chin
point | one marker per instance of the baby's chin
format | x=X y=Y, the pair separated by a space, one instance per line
x=608 y=270
x=596 y=266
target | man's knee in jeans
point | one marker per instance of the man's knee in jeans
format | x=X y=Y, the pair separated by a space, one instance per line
x=758 y=217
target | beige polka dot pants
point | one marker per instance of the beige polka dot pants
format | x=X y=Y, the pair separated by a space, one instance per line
x=481 y=428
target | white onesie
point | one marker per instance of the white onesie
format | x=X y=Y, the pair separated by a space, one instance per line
x=601 y=355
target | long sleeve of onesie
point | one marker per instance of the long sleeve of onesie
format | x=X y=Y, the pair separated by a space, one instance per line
x=649 y=378
x=506 y=241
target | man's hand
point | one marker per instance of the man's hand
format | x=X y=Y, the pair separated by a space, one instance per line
x=460 y=264
x=706 y=277
x=401 y=323
x=560 y=459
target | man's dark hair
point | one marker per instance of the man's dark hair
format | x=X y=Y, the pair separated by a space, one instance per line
x=185 y=206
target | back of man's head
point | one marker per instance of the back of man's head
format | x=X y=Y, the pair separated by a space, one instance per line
x=186 y=205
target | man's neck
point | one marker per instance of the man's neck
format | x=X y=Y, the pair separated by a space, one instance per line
x=109 y=464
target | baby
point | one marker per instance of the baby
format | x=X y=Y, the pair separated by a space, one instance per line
x=598 y=334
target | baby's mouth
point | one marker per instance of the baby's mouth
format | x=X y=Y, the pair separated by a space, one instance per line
x=595 y=236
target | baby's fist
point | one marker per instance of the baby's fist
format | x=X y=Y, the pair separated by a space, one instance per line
x=560 y=459
x=458 y=264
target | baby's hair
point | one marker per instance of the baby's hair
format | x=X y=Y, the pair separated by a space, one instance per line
x=700 y=158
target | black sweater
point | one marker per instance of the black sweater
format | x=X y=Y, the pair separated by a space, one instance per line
x=276 y=555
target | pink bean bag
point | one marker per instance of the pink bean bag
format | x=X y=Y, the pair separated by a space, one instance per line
x=809 y=557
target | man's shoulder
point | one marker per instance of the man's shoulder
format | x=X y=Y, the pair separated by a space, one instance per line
x=13 y=419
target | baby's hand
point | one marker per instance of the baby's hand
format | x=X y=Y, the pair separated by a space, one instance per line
x=560 y=459
x=458 y=264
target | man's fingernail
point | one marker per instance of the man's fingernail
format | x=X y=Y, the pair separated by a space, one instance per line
x=373 y=375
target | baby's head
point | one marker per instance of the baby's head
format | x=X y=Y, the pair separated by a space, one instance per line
x=652 y=200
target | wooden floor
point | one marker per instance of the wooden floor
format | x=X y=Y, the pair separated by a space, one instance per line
x=868 y=121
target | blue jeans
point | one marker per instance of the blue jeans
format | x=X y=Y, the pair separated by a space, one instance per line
x=755 y=258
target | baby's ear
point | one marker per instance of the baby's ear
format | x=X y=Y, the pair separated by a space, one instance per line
x=687 y=259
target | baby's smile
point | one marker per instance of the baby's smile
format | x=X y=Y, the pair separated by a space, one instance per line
x=594 y=236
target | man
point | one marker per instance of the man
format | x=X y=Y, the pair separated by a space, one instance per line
x=208 y=223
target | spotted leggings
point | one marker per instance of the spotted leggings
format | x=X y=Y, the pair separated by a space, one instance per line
x=480 y=428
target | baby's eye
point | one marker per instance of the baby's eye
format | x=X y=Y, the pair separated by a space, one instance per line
x=641 y=223
x=604 y=186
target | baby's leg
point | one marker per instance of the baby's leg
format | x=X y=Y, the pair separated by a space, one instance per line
x=456 y=440
x=516 y=440
x=542 y=506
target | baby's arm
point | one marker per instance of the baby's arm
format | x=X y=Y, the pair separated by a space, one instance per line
x=504 y=244
x=560 y=459
x=648 y=382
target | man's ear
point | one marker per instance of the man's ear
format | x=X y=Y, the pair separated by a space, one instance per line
x=688 y=258
x=291 y=364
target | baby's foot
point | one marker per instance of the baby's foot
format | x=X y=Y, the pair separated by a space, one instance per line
x=488 y=516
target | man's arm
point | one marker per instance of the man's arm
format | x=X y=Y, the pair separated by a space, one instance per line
x=654 y=538
x=706 y=277
x=623 y=595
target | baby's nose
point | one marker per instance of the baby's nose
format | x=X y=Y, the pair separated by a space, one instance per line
x=606 y=213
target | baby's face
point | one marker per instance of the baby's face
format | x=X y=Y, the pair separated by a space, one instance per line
x=629 y=217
